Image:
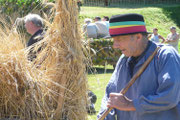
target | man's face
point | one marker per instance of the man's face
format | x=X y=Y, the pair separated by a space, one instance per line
x=173 y=30
x=29 y=27
x=95 y=20
x=104 y=19
x=155 y=31
x=128 y=44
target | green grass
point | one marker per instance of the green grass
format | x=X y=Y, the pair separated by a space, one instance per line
x=97 y=83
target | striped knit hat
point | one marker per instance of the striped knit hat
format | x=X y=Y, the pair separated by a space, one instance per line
x=126 y=24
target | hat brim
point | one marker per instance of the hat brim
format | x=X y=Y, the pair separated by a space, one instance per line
x=131 y=34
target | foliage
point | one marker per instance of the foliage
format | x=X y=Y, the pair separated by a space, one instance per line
x=102 y=52
x=9 y=6
x=23 y=7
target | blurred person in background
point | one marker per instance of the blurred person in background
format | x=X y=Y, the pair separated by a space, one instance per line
x=155 y=36
x=173 y=38
x=34 y=26
x=89 y=28
x=102 y=30
x=106 y=20
x=92 y=100
x=79 y=4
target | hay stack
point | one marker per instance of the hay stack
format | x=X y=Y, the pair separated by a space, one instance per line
x=53 y=87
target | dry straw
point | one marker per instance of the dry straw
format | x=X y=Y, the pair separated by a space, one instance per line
x=53 y=86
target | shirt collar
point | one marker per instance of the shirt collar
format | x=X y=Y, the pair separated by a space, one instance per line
x=144 y=56
x=150 y=49
x=37 y=33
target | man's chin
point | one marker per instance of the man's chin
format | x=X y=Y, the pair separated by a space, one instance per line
x=127 y=55
x=123 y=52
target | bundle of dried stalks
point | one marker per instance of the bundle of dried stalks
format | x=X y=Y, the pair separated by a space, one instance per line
x=53 y=86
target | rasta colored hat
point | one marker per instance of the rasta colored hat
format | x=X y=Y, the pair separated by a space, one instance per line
x=126 y=24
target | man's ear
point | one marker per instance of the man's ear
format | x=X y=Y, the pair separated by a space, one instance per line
x=139 y=36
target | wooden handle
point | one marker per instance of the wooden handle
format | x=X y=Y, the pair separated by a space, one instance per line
x=131 y=82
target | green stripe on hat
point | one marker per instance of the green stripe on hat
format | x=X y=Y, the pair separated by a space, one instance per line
x=127 y=23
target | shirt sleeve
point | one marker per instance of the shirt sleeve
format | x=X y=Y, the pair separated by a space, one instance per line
x=167 y=95
x=111 y=115
x=111 y=87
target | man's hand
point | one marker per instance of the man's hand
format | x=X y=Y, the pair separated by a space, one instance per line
x=118 y=101
x=167 y=40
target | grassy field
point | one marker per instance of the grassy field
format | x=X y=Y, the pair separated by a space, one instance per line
x=97 y=83
x=160 y=17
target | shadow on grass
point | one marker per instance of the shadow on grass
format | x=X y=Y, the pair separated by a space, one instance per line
x=99 y=70
x=173 y=13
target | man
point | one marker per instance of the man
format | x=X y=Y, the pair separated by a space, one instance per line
x=173 y=38
x=92 y=100
x=89 y=28
x=156 y=93
x=79 y=4
x=97 y=18
x=106 y=20
x=102 y=30
x=155 y=36
x=33 y=25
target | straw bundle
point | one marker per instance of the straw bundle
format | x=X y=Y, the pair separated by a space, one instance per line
x=53 y=86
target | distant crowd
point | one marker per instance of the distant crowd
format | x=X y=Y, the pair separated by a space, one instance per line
x=97 y=29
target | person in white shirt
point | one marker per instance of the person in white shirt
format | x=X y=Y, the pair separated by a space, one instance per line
x=106 y=20
x=155 y=36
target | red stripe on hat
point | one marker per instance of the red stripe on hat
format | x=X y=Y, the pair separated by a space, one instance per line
x=127 y=30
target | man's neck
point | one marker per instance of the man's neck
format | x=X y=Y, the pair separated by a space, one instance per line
x=173 y=33
x=35 y=30
x=155 y=33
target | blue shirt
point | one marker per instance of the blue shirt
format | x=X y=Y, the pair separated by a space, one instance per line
x=155 y=94
x=92 y=30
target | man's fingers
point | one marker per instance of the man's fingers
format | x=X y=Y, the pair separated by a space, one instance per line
x=114 y=94
x=112 y=99
x=109 y=103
